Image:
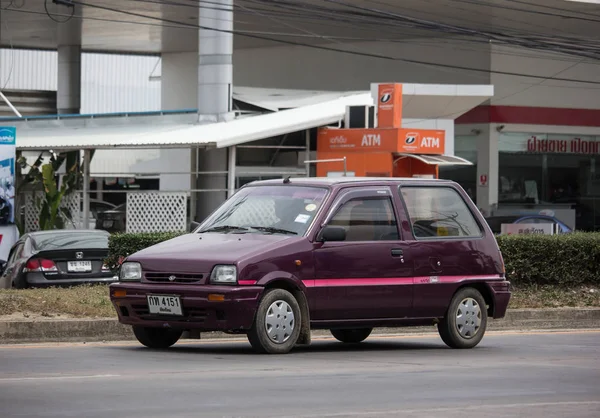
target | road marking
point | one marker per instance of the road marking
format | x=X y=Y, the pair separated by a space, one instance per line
x=399 y=412
x=373 y=337
x=93 y=376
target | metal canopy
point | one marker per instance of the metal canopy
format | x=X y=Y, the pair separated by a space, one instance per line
x=186 y=135
x=441 y=160
x=314 y=109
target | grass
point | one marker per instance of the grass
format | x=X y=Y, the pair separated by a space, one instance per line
x=93 y=301
x=73 y=302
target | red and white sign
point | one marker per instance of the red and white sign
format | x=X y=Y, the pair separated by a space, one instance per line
x=483 y=180
x=549 y=143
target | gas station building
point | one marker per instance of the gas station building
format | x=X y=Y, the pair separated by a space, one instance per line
x=519 y=128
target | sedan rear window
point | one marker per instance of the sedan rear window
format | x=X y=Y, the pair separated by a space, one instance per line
x=70 y=241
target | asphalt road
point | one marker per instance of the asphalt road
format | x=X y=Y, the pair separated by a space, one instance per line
x=509 y=374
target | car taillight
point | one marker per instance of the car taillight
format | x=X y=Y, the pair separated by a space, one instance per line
x=40 y=264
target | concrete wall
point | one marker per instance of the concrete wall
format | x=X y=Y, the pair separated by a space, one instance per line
x=306 y=68
x=522 y=91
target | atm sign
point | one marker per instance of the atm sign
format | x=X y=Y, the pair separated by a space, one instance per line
x=422 y=141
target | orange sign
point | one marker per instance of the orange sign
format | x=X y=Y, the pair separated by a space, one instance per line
x=357 y=140
x=389 y=106
x=412 y=141
x=421 y=141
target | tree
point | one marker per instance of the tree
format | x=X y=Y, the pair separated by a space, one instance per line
x=43 y=176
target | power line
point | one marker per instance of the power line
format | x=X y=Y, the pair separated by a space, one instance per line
x=331 y=49
x=556 y=44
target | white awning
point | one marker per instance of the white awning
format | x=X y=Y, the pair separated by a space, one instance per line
x=441 y=160
x=314 y=109
x=220 y=135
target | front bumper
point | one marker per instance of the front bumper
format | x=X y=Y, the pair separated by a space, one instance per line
x=234 y=313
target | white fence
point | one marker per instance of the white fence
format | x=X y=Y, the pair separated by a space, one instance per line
x=156 y=212
x=151 y=211
x=33 y=208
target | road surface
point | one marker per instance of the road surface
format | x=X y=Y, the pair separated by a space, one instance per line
x=510 y=374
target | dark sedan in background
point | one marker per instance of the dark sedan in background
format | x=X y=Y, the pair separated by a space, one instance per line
x=112 y=220
x=58 y=258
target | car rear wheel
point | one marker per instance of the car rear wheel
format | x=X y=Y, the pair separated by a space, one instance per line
x=277 y=323
x=351 y=336
x=159 y=338
x=466 y=320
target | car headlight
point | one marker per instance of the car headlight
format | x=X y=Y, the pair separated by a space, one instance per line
x=131 y=272
x=224 y=275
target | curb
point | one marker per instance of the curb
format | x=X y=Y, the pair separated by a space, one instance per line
x=108 y=329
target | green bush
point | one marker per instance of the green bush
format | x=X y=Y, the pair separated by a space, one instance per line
x=123 y=245
x=565 y=260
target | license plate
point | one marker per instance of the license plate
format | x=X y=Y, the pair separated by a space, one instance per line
x=164 y=305
x=79 y=266
x=107 y=224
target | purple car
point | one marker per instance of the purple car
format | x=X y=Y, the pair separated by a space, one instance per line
x=282 y=257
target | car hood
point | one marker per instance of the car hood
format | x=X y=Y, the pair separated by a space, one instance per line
x=199 y=253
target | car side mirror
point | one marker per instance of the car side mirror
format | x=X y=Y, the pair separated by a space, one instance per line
x=194 y=225
x=332 y=233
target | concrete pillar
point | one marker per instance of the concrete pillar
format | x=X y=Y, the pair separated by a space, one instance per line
x=215 y=62
x=179 y=78
x=69 y=79
x=215 y=84
x=487 y=169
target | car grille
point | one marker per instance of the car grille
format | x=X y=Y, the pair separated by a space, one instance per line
x=189 y=314
x=173 y=277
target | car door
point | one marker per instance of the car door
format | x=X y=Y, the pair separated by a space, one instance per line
x=13 y=265
x=365 y=276
x=447 y=246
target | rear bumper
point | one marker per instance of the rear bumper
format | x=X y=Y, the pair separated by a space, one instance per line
x=37 y=279
x=234 y=313
x=501 y=294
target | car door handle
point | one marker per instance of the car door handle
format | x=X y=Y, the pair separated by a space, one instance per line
x=397 y=252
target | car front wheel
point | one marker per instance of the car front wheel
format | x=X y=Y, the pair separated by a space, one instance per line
x=159 y=338
x=466 y=320
x=351 y=336
x=277 y=323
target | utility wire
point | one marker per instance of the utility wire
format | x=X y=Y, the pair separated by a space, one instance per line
x=331 y=49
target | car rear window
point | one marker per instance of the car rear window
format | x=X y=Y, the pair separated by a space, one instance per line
x=438 y=211
x=71 y=241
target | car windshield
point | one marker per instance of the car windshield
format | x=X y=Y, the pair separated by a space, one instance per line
x=287 y=210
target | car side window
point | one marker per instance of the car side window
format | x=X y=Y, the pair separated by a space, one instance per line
x=439 y=212
x=367 y=220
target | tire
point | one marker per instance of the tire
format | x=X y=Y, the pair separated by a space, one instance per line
x=269 y=336
x=351 y=336
x=469 y=305
x=158 y=338
x=19 y=282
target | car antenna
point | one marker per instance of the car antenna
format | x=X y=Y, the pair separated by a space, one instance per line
x=286 y=180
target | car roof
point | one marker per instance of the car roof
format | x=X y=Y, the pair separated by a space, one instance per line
x=332 y=181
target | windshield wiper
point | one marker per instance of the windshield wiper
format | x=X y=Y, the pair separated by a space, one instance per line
x=224 y=228
x=273 y=230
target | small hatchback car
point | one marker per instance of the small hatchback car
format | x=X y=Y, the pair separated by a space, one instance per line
x=282 y=257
